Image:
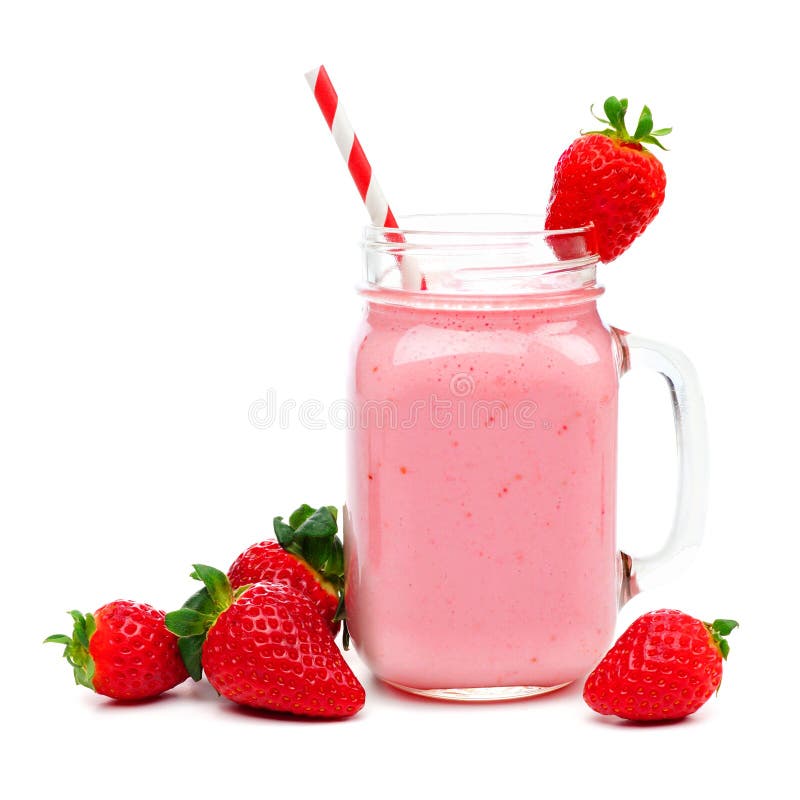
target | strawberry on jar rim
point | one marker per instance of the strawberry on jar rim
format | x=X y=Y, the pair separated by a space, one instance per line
x=609 y=179
x=123 y=651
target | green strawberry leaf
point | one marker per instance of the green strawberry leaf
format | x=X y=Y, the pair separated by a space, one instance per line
x=335 y=563
x=718 y=630
x=340 y=612
x=188 y=622
x=317 y=552
x=653 y=140
x=79 y=633
x=610 y=132
x=614 y=111
x=76 y=648
x=724 y=626
x=661 y=132
x=218 y=585
x=201 y=601
x=58 y=638
x=320 y=524
x=599 y=119
x=341 y=616
x=645 y=124
x=299 y=516
x=345 y=635
x=285 y=535
x=91 y=626
x=191 y=649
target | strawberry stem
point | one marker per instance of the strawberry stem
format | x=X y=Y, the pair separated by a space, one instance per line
x=718 y=630
x=615 y=111
x=76 y=648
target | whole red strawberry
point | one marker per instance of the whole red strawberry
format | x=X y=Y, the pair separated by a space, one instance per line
x=267 y=647
x=123 y=651
x=665 y=666
x=306 y=556
x=610 y=179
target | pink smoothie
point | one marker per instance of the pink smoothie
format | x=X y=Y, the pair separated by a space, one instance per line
x=480 y=546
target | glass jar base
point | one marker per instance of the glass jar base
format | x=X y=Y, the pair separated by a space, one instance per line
x=483 y=694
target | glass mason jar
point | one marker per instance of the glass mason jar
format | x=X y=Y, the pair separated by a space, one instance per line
x=481 y=560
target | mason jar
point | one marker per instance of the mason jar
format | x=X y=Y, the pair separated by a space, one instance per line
x=480 y=546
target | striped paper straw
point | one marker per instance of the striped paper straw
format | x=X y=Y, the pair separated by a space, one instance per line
x=353 y=153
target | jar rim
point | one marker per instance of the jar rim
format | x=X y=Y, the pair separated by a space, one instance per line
x=479 y=254
x=535 y=226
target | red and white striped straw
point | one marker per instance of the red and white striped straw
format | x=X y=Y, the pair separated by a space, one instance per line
x=353 y=153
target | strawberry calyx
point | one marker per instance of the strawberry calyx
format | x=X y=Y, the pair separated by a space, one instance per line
x=192 y=621
x=310 y=534
x=615 y=110
x=76 y=648
x=718 y=630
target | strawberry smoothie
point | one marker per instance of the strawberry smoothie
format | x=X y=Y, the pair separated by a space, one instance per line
x=479 y=528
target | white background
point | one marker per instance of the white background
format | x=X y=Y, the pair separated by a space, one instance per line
x=178 y=235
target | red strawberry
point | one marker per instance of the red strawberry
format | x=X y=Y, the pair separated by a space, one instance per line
x=665 y=666
x=123 y=651
x=307 y=556
x=610 y=179
x=267 y=648
x=268 y=561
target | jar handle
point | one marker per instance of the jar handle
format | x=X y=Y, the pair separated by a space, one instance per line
x=690 y=431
